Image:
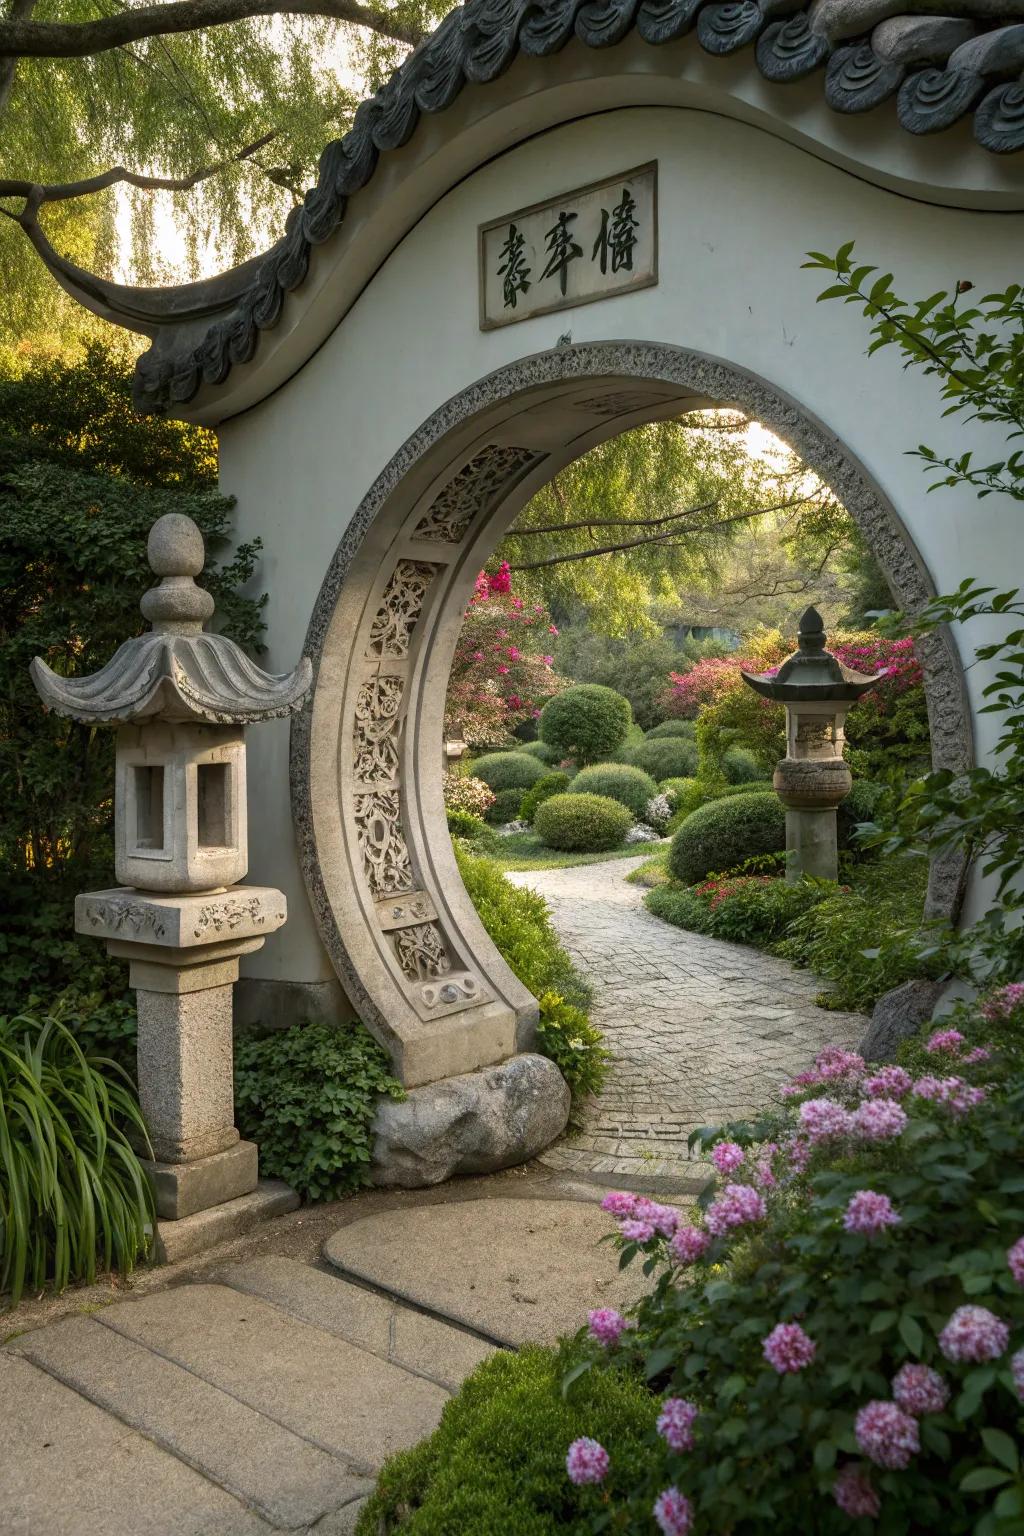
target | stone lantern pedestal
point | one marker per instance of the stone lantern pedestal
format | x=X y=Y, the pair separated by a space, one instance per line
x=181 y=698
x=813 y=779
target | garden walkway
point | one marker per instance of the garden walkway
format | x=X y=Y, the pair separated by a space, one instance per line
x=701 y=1031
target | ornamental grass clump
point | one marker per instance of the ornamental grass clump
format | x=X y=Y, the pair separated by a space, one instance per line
x=835 y=1337
x=73 y=1196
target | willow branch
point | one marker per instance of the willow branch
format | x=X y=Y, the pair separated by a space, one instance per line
x=668 y=540
x=21 y=38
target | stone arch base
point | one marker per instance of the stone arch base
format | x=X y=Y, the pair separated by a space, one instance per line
x=390 y=906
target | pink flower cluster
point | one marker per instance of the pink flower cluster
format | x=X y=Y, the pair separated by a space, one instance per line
x=1003 y=1003
x=974 y=1334
x=1017 y=1370
x=606 y=1326
x=854 y=1494
x=918 y=1389
x=737 y=1206
x=673 y=1513
x=727 y=1156
x=788 y=1348
x=824 y=1119
x=640 y=1219
x=689 y=1244
x=886 y=1435
x=868 y=1213
x=1015 y=1259
x=832 y=1064
x=951 y=1092
x=675 y=1423
x=878 y=1120
x=947 y=1040
x=889 y=1083
x=586 y=1461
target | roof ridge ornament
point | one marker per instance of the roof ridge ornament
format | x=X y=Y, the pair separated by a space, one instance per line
x=812 y=672
x=176 y=672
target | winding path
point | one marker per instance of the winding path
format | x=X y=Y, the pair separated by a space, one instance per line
x=700 y=1030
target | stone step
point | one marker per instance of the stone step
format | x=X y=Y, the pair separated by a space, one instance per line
x=417 y=1343
x=69 y=1469
x=327 y=1391
x=288 y=1480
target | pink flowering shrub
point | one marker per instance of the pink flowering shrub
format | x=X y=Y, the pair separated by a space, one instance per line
x=501 y=672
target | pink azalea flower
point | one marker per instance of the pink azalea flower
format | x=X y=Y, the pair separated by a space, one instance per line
x=788 y=1348
x=548 y=660
x=823 y=1119
x=869 y=1213
x=663 y=1218
x=689 y=1244
x=675 y=1423
x=854 y=1494
x=886 y=1435
x=889 y=1083
x=606 y=1326
x=512 y=653
x=737 y=1206
x=1015 y=1259
x=478 y=655
x=673 y=1513
x=727 y=1156
x=503 y=671
x=618 y=1202
x=552 y=629
x=917 y=1389
x=878 y=1120
x=637 y=1231
x=974 y=1334
x=586 y=1461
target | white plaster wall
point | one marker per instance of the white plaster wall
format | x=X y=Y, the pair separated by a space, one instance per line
x=738 y=208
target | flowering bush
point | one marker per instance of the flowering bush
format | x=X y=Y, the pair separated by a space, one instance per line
x=658 y=812
x=463 y=792
x=502 y=671
x=844 y=1321
x=748 y=909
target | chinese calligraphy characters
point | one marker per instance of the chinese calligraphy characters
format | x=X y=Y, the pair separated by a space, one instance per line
x=514 y=269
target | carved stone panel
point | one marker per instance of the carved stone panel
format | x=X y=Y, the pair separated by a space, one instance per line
x=378 y=721
x=476 y=486
x=421 y=952
x=400 y=608
x=382 y=843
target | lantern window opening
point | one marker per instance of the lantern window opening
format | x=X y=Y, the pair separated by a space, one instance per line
x=214 y=806
x=150 y=819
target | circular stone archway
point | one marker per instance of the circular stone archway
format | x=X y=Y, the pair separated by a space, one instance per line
x=366 y=754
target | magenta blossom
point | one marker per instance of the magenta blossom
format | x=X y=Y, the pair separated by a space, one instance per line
x=788 y=1349
x=834 y=1062
x=1017 y=1370
x=606 y=1326
x=586 y=1461
x=738 y=1205
x=974 y=1334
x=918 y=1389
x=886 y=1435
x=889 y=1083
x=663 y=1218
x=979 y=1053
x=878 y=1120
x=727 y=1156
x=823 y=1119
x=689 y=1244
x=1015 y=1259
x=854 y=1494
x=673 y=1513
x=675 y=1423
x=619 y=1202
x=637 y=1231
x=952 y=1092
x=949 y=1040
x=869 y=1213
x=1003 y=1003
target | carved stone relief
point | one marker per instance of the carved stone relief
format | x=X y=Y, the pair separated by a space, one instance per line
x=378 y=720
x=400 y=608
x=421 y=952
x=476 y=486
x=382 y=843
x=620 y=403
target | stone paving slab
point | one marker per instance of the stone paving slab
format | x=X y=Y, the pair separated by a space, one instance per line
x=69 y=1469
x=518 y=1270
x=409 y=1339
x=285 y=1478
x=321 y=1387
x=701 y=1031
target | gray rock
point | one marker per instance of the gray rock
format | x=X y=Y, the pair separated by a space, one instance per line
x=897 y=1016
x=476 y=1123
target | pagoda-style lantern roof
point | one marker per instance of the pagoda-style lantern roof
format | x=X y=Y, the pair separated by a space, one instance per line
x=812 y=672
x=177 y=672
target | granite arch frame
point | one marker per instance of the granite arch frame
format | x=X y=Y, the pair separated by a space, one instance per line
x=387 y=898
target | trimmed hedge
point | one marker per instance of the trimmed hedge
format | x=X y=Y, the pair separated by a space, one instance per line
x=505 y=808
x=722 y=834
x=686 y=729
x=668 y=757
x=508 y=770
x=631 y=787
x=541 y=751
x=582 y=823
x=740 y=766
x=585 y=722
x=550 y=784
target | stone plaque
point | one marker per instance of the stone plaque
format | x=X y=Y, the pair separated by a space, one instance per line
x=589 y=244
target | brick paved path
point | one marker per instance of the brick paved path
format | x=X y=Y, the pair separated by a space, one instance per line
x=700 y=1030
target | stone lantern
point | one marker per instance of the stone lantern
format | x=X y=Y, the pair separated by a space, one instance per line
x=812 y=779
x=181 y=698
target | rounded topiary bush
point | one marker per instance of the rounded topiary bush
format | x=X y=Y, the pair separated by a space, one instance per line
x=686 y=794
x=550 y=784
x=740 y=766
x=582 y=823
x=619 y=781
x=505 y=808
x=722 y=834
x=585 y=722
x=686 y=729
x=508 y=770
x=665 y=757
x=541 y=751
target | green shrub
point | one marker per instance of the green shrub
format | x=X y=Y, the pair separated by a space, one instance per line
x=72 y=1191
x=307 y=1096
x=550 y=784
x=582 y=823
x=724 y=791
x=495 y=1466
x=740 y=766
x=463 y=792
x=508 y=770
x=684 y=729
x=541 y=751
x=866 y=801
x=618 y=781
x=722 y=834
x=585 y=722
x=463 y=824
x=518 y=922
x=668 y=757
x=687 y=793
x=746 y=909
x=505 y=808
